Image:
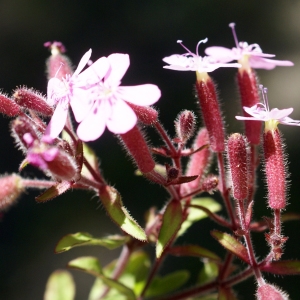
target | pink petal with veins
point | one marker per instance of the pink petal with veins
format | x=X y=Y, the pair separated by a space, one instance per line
x=119 y=64
x=84 y=60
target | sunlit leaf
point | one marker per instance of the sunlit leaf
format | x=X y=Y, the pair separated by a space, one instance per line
x=209 y=272
x=282 y=267
x=193 y=250
x=54 y=191
x=231 y=244
x=226 y=294
x=196 y=214
x=112 y=202
x=85 y=239
x=171 y=222
x=168 y=283
x=60 y=286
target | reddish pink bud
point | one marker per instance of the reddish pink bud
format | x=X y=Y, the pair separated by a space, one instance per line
x=58 y=65
x=145 y=114
x=138 y=149
x=210 y=183
x=237 y=163
x=274 y=168
x=9 y=107
x=247 y=81
x=185 y=125
x=31 y=99
x=270 y=292
x=21 y=126
x=211 y=113
x=53 y=161
x=199 y=161
x=11 y=188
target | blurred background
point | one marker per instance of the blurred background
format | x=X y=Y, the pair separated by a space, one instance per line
x=147 y=31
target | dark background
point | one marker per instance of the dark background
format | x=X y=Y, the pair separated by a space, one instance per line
x=147 y=31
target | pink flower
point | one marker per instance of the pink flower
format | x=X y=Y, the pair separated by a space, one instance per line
x=70 y=90
x=193 y=62
x=261 y=112
x=106 y=104
x=245 y=54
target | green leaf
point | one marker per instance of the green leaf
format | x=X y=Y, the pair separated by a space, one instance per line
x=171 y=222
x=196 y=214
x=283 y=267
x=134 y=277
x=231 y=244
x=168 y=283
x=70 y=241
x=54 y=191
x=92 y=159
x=60 y=286
x=92 y=266
x=209 y=272
x=226 y=294
x=112 y=202
x=193 y=250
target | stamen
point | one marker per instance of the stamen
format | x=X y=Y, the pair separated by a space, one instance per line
x=232 y=26
x=202 y=41
x=61 y=64
x=180 y=42
x=264 y=92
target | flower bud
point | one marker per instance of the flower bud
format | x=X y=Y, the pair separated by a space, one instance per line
x=31 y=99
x=274 y=168
x=138 y=149
x=237 y=163
x=145 y=114
x=11 y=188
x=270 y=292
x=248 y=88
x=9 y=107
x=211 y=112
x=210 y=183
x=185 y=125
x=53 y=161
x=58 y=65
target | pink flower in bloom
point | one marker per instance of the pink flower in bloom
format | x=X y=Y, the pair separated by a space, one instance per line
x=69 y=90
x=251 y=53
x=106 y=104
x=193 y=62
x=261 y=112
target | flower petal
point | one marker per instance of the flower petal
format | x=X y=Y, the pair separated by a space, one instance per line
x=145 y=94
x=57 y=121
x=54 y=87
x=221 y=54
x=257 y=62
x=81 y=103
x=84 y=60
x=278 y=114
x=122 y=118
x=119 y=64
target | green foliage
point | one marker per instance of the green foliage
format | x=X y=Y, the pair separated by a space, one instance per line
x=196 y=214
x=60 y=286
x=171 y=222
x=209 y=272
x=70 y=241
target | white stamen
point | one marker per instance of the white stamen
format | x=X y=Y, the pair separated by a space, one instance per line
x=61 y=64
x=202 y=41
x=232 y=26
x=264 y=93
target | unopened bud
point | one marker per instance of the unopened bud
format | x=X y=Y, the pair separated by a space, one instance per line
x=21 y=126
x=9 y=107
x=172 y=173
x=274 y=168
x=53 y=161
x=210 y=183
x=249 y=93
x=138 y=149
x=58 y=64
x=145 y=114
x=185 y=125
x=270 y=292
x=237 y=163
x=211 y=112
x=11 y=188
x=31 y=99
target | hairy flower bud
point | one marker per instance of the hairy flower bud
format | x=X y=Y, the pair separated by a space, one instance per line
x=211 y=112
x=31 y=99
x=185 y=125
x=270 y=292
x=237 y=163
x=58 y=64
x=274 y=168
x=210 y=183
x=9 y=107
x=145 y=114
x=138 y=149
x=11 y=188
x=249 y=93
